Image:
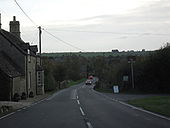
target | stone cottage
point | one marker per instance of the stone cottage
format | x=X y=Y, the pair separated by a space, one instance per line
x=20 y=69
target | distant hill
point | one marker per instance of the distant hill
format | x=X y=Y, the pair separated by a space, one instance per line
x=95 y=54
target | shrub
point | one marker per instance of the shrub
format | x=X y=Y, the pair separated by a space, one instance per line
x=31 y=95
x=16 y=97
x=23 y=96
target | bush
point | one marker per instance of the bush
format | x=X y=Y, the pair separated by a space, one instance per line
x=23 y=96
x=16 y=97
x=31 y=95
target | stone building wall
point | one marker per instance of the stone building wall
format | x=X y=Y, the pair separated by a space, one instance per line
x=31 y=73
x=19 y=85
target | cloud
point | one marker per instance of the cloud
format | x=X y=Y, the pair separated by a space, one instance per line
x=145 y=27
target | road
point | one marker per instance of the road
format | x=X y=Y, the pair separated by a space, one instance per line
x=81 y=107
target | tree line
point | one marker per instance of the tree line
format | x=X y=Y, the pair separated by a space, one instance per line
x=59 y=71
x=151 y=71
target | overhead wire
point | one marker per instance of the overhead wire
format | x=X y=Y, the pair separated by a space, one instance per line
x=25 y=13
x=57 y=38
x=100 y=32
x=116 y=33
x=62 y=40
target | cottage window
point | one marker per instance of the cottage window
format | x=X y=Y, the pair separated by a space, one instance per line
x=29 y=57
x=40 y=78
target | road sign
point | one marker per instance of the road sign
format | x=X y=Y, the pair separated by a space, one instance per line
x=125 y=78
x=116 y=89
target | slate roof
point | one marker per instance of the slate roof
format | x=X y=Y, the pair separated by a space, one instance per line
x=13 y=40
x=19 y=43
x=8 y=66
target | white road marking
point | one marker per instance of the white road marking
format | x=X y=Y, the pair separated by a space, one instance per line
x=77 y=97
x=133 y=107
x=18 y=110
x=89 y=125
x=24 y=108
x=35 y=103
x=160 y=116
x=82 y=112
x=78 y=102
x=28 y=106
x=73 y=94
x=7 y=115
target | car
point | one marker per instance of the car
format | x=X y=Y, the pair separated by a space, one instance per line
x=88 y=82
x=90 y=77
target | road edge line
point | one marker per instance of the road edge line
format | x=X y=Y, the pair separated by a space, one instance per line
x=143 y=110
x=134 y=107
x=7 y=115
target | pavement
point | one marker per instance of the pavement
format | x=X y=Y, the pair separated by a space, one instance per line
x=81 y=107
x=23 y=103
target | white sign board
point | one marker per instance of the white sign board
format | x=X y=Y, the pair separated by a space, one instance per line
x=116 y=89
x=125 y=78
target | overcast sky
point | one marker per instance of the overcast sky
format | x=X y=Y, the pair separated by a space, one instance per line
x=92 y=25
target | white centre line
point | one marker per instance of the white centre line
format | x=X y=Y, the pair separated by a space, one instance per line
x=89 y=125
x=78 y=102
x=82 y=112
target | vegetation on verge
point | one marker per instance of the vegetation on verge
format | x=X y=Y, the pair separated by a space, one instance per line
x=151 y=72
x=104 y=90
x=157 y=104
x=71 y=83
x=58 y=73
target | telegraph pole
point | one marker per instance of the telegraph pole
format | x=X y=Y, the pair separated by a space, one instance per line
x=40 y=33
x=0 y=21
x=131 y=60
x=131 y=64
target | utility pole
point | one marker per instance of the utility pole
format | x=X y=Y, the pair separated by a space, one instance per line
x=40 y=33
x=0 y=21
x=131 y=65
x=131 y=60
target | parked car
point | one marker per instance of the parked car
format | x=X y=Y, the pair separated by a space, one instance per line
x=88 y=82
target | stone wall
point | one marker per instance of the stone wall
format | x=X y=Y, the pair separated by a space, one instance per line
x=31 y=73
x=19 y=85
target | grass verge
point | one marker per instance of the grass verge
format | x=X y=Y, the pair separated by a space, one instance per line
x=104 y=90
x=157 y=104
x=76 y=82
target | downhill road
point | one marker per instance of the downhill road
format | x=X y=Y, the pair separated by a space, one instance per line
x=81 y=107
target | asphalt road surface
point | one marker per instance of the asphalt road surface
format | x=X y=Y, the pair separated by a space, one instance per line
x=81 y=107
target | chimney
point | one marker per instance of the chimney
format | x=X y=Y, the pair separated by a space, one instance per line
x=0 y=21
x=15 y=27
